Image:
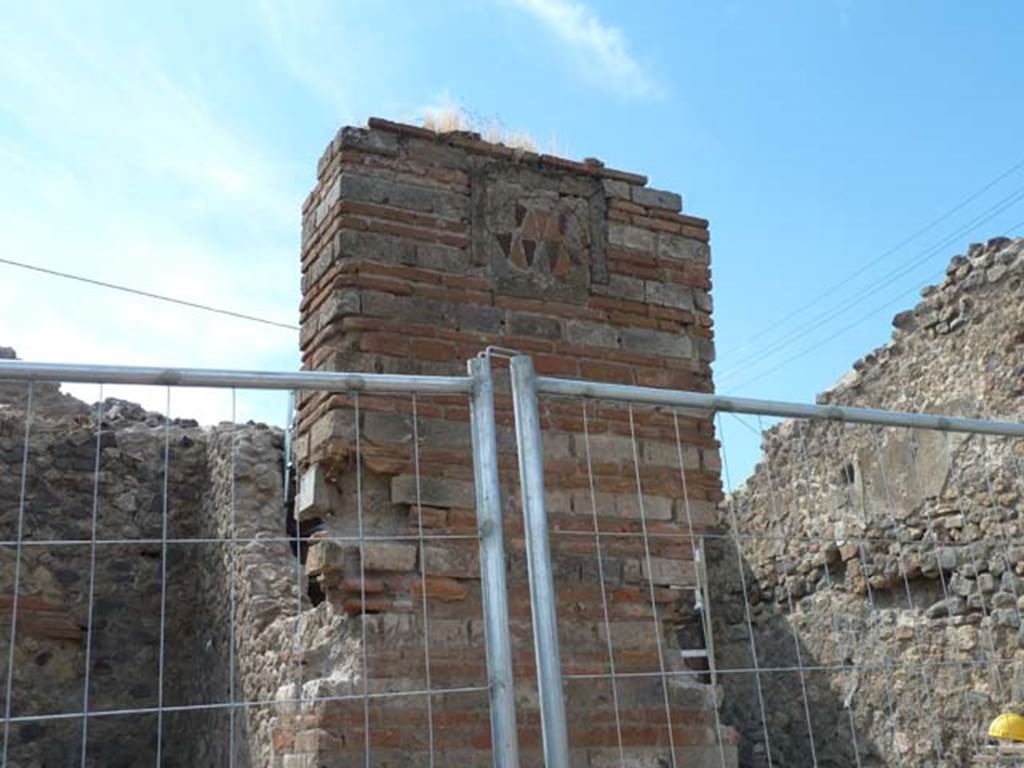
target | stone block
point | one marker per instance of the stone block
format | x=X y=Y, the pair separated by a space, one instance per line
x=616 y=188
x=441 y=588
x=668 y=294
x=630 y=635
x=449 y=314
x=339 y=304
x=317 y=496
x=703 y=301
x=706 y=347
x=667 y=571
x=336 y=424
x=389 y=556
x=681 y=248
x=590 y=334
x=537 y=326
x=387 y=428
x=628 y=236
x=325 y=556
x=621 y=287
x=657 y=198
x=455 y=559
x=651 y=342
x=420 y=199
x=947 y=557
x=389 y=249
x=666 y=454
x=434 y=491
x=848 y=550
x=376 y=142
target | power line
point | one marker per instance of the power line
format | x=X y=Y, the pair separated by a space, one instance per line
x=900 y=271
x=148 y=295
x=864 y=268
x=850 y=326
x=831 y=313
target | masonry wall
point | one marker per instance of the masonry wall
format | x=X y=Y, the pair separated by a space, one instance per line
x=853 y=519
x=203 y=504
x=419 y=251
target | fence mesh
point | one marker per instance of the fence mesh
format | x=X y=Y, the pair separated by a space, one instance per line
x=179 y=595
x=160 y=608
x=855 y=602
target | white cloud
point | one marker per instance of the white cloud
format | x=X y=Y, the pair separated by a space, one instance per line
x=315 y=45
x=114 y=169
x=601 y=49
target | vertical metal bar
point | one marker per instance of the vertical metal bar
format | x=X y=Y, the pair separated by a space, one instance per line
x=841 y=648
x=291 y=506
x=864 y=559
x=734 y=524
x=362 y=581
x=1001 y=543
x=423 y=579
x=697 y=552
x=163 y=583
x=92 y=577
x=9 y=687
x=995 y=667
x=492 y=565
x=232 y=596
x=538 y=561
x=933 y=535
x=925 y=681
x=789 y=604
x=659 y=632
x=604 y=590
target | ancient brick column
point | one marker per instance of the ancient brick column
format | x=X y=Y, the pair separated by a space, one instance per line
x=419 y=250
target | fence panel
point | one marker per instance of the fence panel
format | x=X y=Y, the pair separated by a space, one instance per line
x=161 y=606
x=860 y=593
x=856 y=598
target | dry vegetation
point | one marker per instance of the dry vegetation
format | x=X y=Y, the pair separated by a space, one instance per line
x=448 y=118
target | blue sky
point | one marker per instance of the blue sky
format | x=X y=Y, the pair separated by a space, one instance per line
x=171 y=150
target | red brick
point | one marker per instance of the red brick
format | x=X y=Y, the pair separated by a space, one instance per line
x=432 y=349
x=602 y=371
x=550 y=365
x=400 y=215
x=386 y=343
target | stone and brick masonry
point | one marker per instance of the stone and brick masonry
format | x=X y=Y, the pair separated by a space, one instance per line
x=420 y=250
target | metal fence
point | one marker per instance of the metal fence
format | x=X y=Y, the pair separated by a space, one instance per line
x=806 y=674
x=25 y=705
x=748 y=579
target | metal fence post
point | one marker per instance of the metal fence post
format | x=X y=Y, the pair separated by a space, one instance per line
x=538 y=560
x=492 y=566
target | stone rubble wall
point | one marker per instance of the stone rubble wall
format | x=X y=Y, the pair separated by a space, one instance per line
x=49 y=659
x=419 y=251
x=894 y=551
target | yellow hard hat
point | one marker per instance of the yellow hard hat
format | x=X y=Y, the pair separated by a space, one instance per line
x=1007 y=727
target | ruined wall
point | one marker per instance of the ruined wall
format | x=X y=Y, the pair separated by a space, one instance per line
x=848 y=520
x=419 y=251
x=50 y=650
